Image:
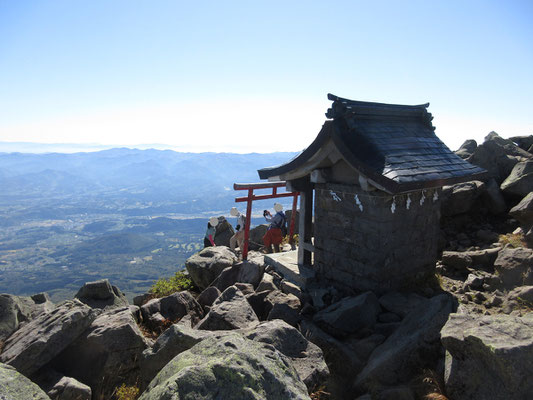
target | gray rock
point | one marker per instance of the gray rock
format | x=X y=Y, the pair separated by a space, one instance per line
x=291 y=288
x=205 y=266
x=244 y=272
x=413 y=346
x=350 y=315
x=230 y=311
x=107 y=354
x=224 y=231
x=460 y=198
x=492 y=198
x=341 y=359
x=60 y=387
x=15 y=386
x=234 y=368
x=267 y=283
x=245 y=288
x=100 y=294
x=498 y=156
x=389 y=317
x=473 y=281
x=260 y=305
x=284 y=311
x=40 y=340
x=489 y=357
x=16 y=309
x=173 y=307
x=466 y=149
x=364 y=347
x=522 y=294
x=524 y=142
x=520 y=181
x=514 y=266
x=523 y=211
x=169 y=344
x=208 y=296
x=456 y=259
x=401 y=303
x=141 y=299
x=306 y=357
x=256 y=237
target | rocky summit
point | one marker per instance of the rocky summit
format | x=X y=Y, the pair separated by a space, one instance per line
x=250 y=330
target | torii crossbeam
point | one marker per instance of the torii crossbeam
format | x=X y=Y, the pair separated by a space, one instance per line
x=251 y=197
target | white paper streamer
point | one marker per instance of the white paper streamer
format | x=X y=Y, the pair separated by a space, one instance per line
x=358 y=202
x=393 y=205
x=423 y=198
x=408 y=202
x=435 y=196
x=334 y=195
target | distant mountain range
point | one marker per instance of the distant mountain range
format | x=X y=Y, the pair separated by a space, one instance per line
x=123 y=177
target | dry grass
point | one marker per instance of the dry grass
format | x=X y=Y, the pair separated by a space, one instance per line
x=126 y=392
x=319 y=393
x=513 y=239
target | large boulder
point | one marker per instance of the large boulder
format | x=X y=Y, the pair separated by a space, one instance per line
x=401 y=303
x=524 y=142
x=350 y=315
x=60 y=387
x=283 y=306
x=498 y=156
x=492 y=198
x=460 y=198
x=40 y=340
x=15 y=310
x=243 y=272
x=489 y=357
x=233 y=368
x=172 y=308
x=15 y=386
x=256 y=237
x=169 y=344
x=224 y=231
x=306 y=357
x=466 y=149
x=523 y=211
x=106 y=355
x=230 y=311
x=414 y=345
x=205 y=266
x=101 y=294
x=520 y=180
x=515 y=266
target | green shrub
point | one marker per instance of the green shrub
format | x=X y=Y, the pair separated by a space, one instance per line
x=165 y=287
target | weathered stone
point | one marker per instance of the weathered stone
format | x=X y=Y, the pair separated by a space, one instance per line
x=259 y=304
x=245 y=288
x=523 y=211
x=524 y=142
x=17 y=309
x=256 y=237
x=460 y=198
x=224 y=231
x=40 y=340
x=492 y=198
x=100 y=294
x=15 y=386
x=106 y=355
x=208 y=296
x=466 y=149
x=283 y=311
x=244 y=272
x=60 y=387
x=523 y=294
x=498 y=156
x=291 y=288
x=413 y=346
x=204 y=267
x=401 y=303
x=341 y=359
x=489 y=357
x=473 y=281
x=456 y=259
x=173 y=307
x=514 y=266
x=141 y=299
x=389 y=317
x=267 y=283
x=520 y=181
x=233 y=368
x=364 y=347
x=169 y=344
x=230 y=311
x=306 y=357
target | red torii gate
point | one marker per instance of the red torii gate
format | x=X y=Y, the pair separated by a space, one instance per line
x=251 y=197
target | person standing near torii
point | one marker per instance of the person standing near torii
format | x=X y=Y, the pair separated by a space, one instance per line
x=273 y=235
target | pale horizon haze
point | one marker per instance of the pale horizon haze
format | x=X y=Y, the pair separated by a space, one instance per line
x=243 y=77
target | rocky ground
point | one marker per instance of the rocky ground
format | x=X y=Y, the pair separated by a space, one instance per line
x=250 y=334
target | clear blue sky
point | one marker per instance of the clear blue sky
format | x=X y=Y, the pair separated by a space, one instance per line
x=253 y=76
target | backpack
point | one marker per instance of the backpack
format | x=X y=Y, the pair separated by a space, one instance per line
x=283 y=224
x=238 y=226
